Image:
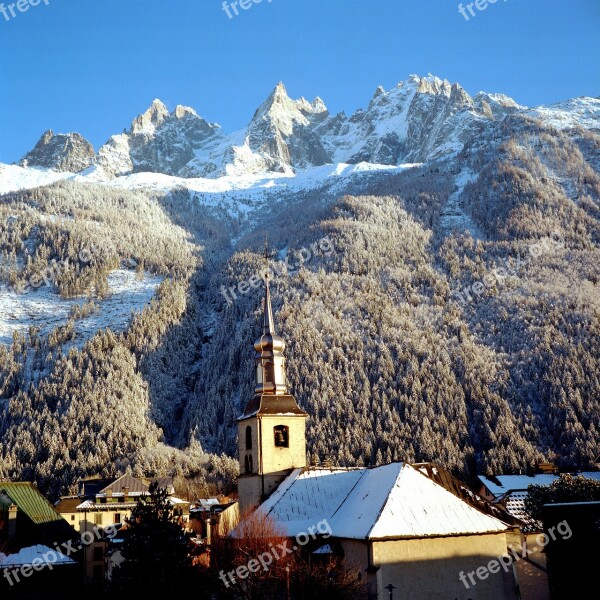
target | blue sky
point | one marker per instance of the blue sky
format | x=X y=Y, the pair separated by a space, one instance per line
x=92 y=65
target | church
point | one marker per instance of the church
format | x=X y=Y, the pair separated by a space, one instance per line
x=397 y=527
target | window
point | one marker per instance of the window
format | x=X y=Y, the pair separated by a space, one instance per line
x=98 y=554
x=117 y=518
x=98 y=518
x=249 y=438
x=72 y=517
x=282 y=436
x=248 y=464
x=269 y=373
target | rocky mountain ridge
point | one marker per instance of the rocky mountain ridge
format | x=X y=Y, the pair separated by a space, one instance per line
x=421 y=119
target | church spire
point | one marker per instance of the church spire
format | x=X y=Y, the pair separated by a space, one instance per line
x=269 y=347
x=268 y=322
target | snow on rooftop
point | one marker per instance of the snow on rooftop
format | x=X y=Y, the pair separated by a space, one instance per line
x=393 y=501
x=507 y=483
x=175 y=500
x=326 y=549
x=26 y=556
x=515 y=505
x=307 y=497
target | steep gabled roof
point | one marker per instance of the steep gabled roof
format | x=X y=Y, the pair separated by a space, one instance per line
x=30 y=501
x=134 y=485
x=390 y=502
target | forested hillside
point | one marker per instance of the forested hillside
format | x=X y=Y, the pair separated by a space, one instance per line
x=449 y=312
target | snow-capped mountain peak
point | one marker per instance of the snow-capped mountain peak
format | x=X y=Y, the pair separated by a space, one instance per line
x=147 y=122
x=419 y=119
x=181 y=112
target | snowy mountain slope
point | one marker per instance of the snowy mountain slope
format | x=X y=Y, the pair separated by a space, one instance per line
x=578 y=112
x=14 y=178
x=44 y=309
x=419 y=120
x=158 y=141
x=232 y=195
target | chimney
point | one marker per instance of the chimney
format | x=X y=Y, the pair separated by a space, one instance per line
x=12 y=522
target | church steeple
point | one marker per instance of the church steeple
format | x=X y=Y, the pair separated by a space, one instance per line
x=269 y=347
x=272 y=428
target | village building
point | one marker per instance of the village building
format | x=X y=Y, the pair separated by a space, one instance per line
x=510 y=492
x=212 y=516
x=35 y=542
x=107 y=503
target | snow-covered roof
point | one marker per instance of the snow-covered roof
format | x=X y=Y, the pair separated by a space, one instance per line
x=500 y=484
x=26 y=556
x=393 y=501
x=110 y=506
x=205 y=505
x=175 y=500
x=208 y=502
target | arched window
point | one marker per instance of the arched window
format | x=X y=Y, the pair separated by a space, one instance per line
x=269 y=373
x=248 y=466
x=248 y=437
x=282 y=436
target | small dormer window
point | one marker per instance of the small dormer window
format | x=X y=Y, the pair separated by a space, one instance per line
x=282 y=436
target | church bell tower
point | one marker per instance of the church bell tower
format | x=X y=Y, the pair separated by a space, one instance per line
x=272 y=429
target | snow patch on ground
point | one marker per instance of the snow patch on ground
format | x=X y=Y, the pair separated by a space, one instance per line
x=14 y=178
x=234 y=195
x=45 y=309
